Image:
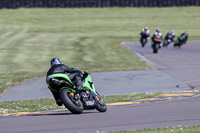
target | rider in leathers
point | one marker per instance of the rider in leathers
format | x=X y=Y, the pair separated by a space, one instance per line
x=57 y=66
x=185 y=36
x=146 y=31
x=171 y=32
x=156 y=34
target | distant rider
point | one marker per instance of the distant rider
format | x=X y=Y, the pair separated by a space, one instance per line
x=171 y=33
x=145 y=33
x=155 y=35
x=57 y=66
x=185 y=37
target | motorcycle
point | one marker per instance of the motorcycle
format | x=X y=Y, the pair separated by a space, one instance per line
x=179 y=42
x=77 y=101
x=156 y=44
x=144 y=38
x=168 y=40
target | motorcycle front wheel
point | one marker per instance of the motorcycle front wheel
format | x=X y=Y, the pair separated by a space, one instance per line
x=176 y=43
x=101 y=107
x=75 y=106
x=143 y=42
x=165 y=44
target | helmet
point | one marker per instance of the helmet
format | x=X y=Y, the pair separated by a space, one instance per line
x=158 y=30
x=145 y=28
x=55 y=61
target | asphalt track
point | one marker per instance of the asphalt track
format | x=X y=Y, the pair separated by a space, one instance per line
x=180 y=64
x=106 y=83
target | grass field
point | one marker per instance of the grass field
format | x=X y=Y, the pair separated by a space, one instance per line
x=85 y=38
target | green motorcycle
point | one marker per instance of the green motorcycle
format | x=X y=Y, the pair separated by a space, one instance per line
x=77 y=101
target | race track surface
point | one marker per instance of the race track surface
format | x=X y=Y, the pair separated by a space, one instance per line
x=179 y=63
x=183 y=112
x=182 y=63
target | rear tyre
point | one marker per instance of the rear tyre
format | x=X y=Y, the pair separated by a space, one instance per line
x=155 y=51
x=101 y=107
x=155 y=48
x=75 y=106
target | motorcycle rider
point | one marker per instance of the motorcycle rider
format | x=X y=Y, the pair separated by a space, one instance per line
x=57 y=66
x=155 y=35
x=171 y=32
x=146 y=31
x=185 y=37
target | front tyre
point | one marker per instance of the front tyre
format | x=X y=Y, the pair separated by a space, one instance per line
x=176 y=43
x=75 y=106
x=165 y=44
x=101 y=107
x=143 y=41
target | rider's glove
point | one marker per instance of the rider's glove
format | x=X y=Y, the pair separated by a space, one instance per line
x=84 y=74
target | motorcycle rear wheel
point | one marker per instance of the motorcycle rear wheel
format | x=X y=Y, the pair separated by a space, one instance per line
x=75 y=106
x=155 y=48
x=101 y=107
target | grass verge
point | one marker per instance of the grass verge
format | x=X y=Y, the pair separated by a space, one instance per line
x=178 y=129
x=49 y=104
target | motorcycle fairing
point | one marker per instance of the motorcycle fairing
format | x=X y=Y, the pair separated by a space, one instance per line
x=89 y=84
x=60 y=75
x=180 y=38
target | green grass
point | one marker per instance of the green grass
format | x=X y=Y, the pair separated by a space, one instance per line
x=84 y=38
x=129 y=97
x=178 y=129
x=49 y=104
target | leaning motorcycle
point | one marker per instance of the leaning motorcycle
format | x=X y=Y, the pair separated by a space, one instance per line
x=77 y=101
x=179 y=42
x=144 y=38
x=156 y=44
x=168 y=40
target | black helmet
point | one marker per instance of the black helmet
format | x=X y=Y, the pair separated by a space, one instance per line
x=55 y=61
x=158 y=30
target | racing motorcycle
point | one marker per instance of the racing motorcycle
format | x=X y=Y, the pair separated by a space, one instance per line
x=156 y=44
x=144 y=38
x=168 y=40
x=77 y=101
x=180 y=41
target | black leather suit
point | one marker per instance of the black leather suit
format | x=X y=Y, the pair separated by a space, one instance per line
x=74 y=74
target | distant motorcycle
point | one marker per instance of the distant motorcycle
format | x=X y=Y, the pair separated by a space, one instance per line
x=178 y=42
x=181 y=40
x=168 y=40
x=144 y=38
x=156 y=44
